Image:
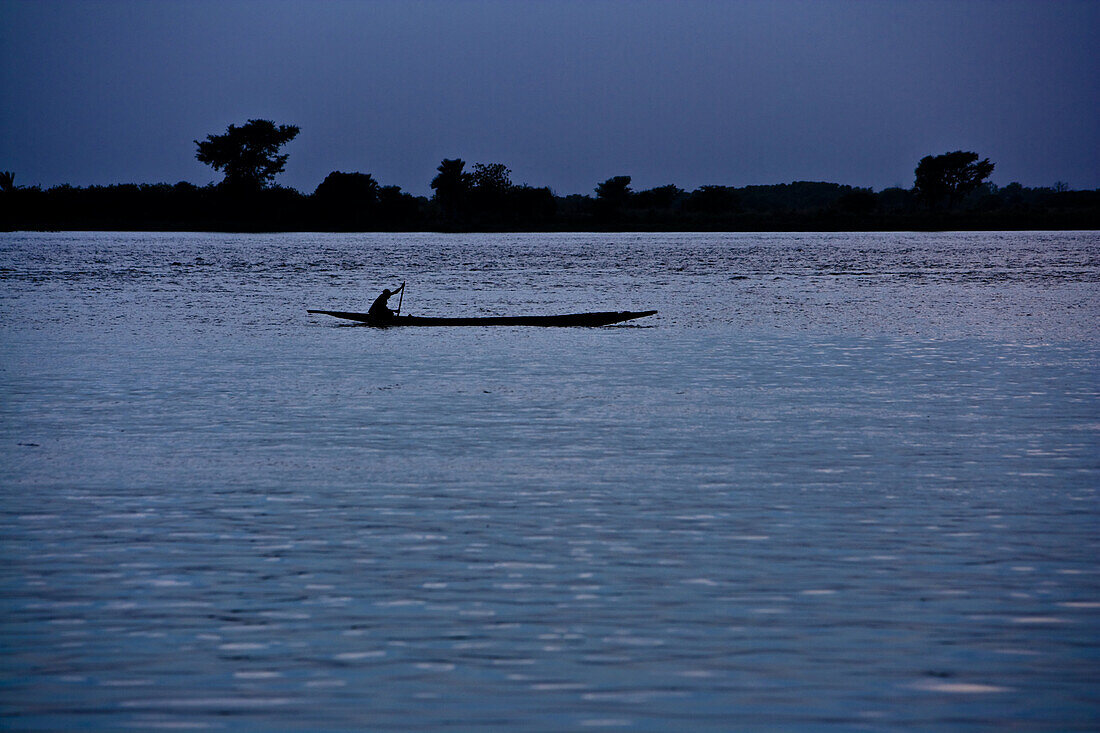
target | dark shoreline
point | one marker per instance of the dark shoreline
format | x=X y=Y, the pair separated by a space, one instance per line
x=800 y=206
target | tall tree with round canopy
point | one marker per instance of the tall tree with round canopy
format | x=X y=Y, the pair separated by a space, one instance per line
x=248 y=155
x=949 y=177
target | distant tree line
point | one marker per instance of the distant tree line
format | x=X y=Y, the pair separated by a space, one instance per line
x=950 y=191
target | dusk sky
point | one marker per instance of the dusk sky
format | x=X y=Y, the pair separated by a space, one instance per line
x=565 y=93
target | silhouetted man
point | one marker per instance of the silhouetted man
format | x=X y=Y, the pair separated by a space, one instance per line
x=378 y=310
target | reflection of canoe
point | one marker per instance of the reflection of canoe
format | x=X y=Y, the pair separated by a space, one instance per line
x=572 y=319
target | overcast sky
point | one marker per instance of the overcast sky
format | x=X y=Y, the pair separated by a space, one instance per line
x=565 y=93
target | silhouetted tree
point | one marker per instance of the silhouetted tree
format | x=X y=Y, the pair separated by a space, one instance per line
x=614 y=190
x=950 y=176
x=355 y=189
x=1013 y=194
x=451 y=186
x=612 y=195
x=532 y=206
x=7 y=181
x=491 y=177
x=490 y=185
x=247 y=154
x=662 y=197
x=347 y=200
x=575 y=210
x=397 y=209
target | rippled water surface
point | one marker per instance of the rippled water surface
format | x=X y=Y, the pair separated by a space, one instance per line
x=840 y=481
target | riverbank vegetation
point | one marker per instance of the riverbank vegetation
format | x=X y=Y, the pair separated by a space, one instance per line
x=950 y=192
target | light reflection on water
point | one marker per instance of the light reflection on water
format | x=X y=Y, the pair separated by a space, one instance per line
x=840 y=480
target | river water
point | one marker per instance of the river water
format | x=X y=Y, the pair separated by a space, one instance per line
x=840 y=481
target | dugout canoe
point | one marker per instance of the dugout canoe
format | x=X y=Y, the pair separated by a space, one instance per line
x=603 y=318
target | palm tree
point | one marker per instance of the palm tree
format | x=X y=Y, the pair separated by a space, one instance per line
x=451 y=186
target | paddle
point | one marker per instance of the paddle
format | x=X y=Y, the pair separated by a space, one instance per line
x=401 y=299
